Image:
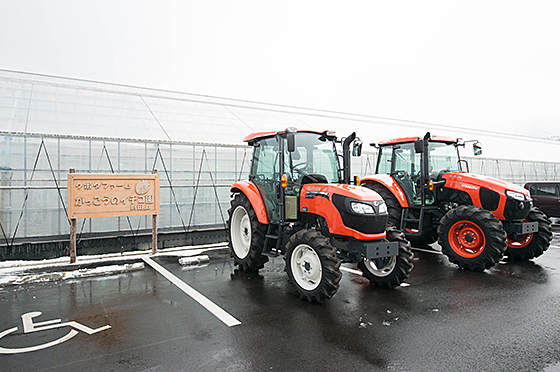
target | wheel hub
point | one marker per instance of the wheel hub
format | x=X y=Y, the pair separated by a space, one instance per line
x=306 y=267
x=467 y=239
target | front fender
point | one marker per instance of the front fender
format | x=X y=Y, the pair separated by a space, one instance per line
x=252 y=193
x=390 y=184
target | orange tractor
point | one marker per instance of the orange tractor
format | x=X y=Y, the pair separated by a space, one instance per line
x=476 y=219
x=298 y=202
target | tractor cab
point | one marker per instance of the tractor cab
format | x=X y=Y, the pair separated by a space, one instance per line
x=413 y=163
x=284 y=162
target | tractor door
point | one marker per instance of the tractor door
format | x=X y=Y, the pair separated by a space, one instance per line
x=403 y=164
x=264 y=173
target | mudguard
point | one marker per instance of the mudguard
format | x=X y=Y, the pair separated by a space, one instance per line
x=252 y=193
x=390 y=184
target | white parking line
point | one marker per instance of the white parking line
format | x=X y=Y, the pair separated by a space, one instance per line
x=426 y=250
x=348 y=270
x=221 y=314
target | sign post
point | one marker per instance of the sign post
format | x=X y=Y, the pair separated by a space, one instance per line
x=111 y=195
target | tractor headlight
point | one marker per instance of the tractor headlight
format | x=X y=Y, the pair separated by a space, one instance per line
x=362 y=208
x=382 y=208
x=515 y=195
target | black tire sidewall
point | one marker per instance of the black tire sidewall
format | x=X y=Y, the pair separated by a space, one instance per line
x=539 y=242
x=330 y=264
x=491 y=227
x=254 y=260
x=403 y=265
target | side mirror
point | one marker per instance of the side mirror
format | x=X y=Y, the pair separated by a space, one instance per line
x=291 y=142
x=357 y=148
x=477 y=149
x=419 y=146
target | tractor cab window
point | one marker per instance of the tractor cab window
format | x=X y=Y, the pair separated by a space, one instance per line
x=443 y=158
x=406 y=168
x=314 y=157
x=265 y=173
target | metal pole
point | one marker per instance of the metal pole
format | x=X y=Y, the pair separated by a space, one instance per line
x=154 y=226
x=72 y=232
x=72 y=240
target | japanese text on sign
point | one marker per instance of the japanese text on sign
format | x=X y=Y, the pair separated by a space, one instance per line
x=93 y=195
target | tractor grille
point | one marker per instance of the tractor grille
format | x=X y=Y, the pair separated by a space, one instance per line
x=364 y=223
x=517 y=210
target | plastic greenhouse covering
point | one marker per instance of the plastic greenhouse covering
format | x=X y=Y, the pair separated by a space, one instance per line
x=51 y=124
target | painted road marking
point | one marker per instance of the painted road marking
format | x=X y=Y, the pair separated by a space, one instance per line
x=426 y=250
x=357 y=272
x=218 y=312
x=29 y=327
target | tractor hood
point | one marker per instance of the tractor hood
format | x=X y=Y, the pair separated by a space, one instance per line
x=464 y=181
x=335 y=203
x=504 y=199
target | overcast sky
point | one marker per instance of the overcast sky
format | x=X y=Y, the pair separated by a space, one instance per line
x=485 y=64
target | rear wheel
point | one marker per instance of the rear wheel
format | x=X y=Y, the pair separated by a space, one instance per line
x=389 y=272
x=472 y=238
x=312 y=266
x=246 y=235
x=528 y=246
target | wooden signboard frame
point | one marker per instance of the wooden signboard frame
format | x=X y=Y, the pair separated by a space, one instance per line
x=112 y=195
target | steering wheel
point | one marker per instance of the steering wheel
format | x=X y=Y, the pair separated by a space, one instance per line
x=399 y=173
x=301 y=168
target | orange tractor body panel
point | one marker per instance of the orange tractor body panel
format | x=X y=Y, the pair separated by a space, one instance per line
x=252 y=193
x=319 y=202
x=471 y=184
x=390 y=184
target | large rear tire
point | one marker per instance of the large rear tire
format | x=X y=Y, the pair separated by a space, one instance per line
x=246 y=235
x=472 y=238
x=312 y=266
x=528 y=246
x=392 y=271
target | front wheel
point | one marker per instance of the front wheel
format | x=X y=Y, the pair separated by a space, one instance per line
x=472 y=238
x=312 y=266
x=246 y=235
x=528 y=246
x=389 y=272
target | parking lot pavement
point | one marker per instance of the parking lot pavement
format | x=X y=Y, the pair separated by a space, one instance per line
x=447 y=319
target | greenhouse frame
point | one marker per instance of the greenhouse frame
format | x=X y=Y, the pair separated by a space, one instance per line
x=49 y=125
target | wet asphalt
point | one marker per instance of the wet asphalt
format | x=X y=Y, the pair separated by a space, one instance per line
x=446 y=319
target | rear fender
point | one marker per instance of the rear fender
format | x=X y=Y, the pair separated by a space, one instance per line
x=252 y=193
x=390 y=184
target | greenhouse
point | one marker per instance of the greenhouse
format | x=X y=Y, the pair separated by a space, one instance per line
x=49 y=125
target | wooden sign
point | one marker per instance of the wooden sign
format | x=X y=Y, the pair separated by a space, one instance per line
x=111 y=195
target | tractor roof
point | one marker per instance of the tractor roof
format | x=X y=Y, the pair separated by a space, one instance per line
x=254 y=137
x=412 y=139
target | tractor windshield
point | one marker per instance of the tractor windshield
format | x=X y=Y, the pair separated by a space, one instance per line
x=443 y=158
x=314 y=155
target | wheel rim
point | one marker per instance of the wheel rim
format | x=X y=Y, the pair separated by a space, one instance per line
x=306 y=267
x=520 y=242
x=240 y=232
x=381 y=267
x=466 y=239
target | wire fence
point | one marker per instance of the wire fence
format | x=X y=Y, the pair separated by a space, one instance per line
x=195 y=180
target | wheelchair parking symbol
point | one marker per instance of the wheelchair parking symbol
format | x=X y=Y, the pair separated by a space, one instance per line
x=29 y=327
